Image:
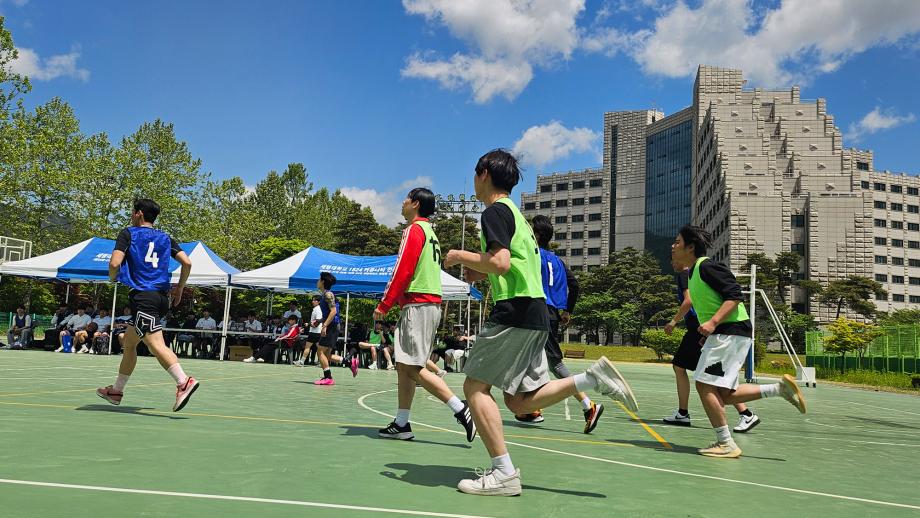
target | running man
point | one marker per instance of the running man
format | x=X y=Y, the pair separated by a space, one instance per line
x=140 y=261
x=561 y=289
x=509 y=350
x=688 y=356
x=716 y=297
x=416 y=288
x=329 y=336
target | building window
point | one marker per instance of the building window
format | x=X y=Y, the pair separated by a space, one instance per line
x=897 y=243
x=578 y=218
x=865 y=184
x=879 y=186
x=913 y=209
x=594 y=234
x=578 y=235
x=881 y=297
x=915 y=281
x=594 y=200
x=862 y=166
x=913 y=226
x=798 y=221
x=530 y=206
x=560 y=236
x=546 y=188
x=880 y=205
x=578 y=201
x=897 y=297
x=577 y=252
x=562 y=203
x=914 y=263
x=913 y=244
x=561 y=219
x=562 y=186
x=881 y=241
x=880 y=223
x=897 y=207
x=897 y=279
x=881 y=259
x=546 y=204
x=597 y=251
x=896 y=189
x=595 y=216
x=897 y=225
x=597 y=182
x=560 y=252
x=915 y=299
x=881 y=277
x=897 y=261
x=799 y=248
x=913 y=191
x=580 y=184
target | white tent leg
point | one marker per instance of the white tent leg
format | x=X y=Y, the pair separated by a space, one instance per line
x=223 y=332
x=467 y=314
x=67 y=295
x=347 y=304
x=112 y=326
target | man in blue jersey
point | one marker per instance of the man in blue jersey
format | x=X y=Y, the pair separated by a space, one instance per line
x=141 y=262
x=561 y=289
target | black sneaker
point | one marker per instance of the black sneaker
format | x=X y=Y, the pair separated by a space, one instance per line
x=465 y=418
x=394 y=431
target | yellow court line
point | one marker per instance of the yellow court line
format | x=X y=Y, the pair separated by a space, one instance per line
x=158 y=384
x=648 y=428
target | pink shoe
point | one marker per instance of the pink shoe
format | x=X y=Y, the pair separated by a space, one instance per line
x=184 y=393
x=324 y=381
x=354 y=366
x=109 y=395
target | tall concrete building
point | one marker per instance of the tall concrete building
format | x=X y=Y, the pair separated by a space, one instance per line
x=764 y=171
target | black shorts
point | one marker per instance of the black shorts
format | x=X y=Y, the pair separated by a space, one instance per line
x=313 y=338
x=332 y=336
x=553 y=351
x=148 y=307
x=440 y=351
x=691 y=346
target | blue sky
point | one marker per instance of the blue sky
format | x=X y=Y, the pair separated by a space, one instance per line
x=374 y=96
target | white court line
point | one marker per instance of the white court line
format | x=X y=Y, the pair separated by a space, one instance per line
x=661 y=470
x=883 y=408
x=233 y=498
x=568 y=415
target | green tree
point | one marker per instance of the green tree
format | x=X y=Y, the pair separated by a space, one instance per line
x=855 y=293
x=12 y=85
x=850 y=336
x=662 y=343
x=901 y=317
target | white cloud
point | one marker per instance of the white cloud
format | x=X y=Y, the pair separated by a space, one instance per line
x=875 y=121
x=791 y=43
x=508 y=38
x=541 y=145
x=30 y=64
x=386 y=205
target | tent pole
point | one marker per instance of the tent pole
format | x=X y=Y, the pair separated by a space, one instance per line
x=347 y=305
x=223 y=332
x=112 y=325
x=467 y=314
x=67 y=294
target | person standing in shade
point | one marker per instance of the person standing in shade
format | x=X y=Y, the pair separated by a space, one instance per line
x=561 y=289
x=329 y=336
x=141 y=262
x=716 y=297
x=416 y=288
x=688 y=356
x=509 y=351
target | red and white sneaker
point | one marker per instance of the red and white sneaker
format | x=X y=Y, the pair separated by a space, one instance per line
x=324 y=381
x=108 y=394
x=184 y=393
x=354 y=366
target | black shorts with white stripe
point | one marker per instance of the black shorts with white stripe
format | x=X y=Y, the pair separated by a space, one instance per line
x=148 y=307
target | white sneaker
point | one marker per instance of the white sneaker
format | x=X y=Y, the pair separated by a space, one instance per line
x=612 y=384
x=492 y=482
x=372 y=367
x=745 y=423
x=59 y=349
x=260 y=360
x=677 y=419
x=391 y=367
x=298 y=363
x=442 y=373
x=249 y=360
x=83 y=350
x=791 y=392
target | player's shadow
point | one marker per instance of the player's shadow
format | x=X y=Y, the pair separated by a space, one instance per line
x=679 y=448
x=449 y=476
x=883 y=422
x=136 y=410
x=536 y=426
x=371 y=433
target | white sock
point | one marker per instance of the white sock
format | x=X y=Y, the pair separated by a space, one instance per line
x=455 y=404
x=772 y=390
x=503 y=463
x=120 y=383
x=585 y=381
x=723 y=434
x=586 y=403
x=402 y=416
x=177 y=374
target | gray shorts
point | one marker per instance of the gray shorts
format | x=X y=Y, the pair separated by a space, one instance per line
x=510 y=358
x=418 y=327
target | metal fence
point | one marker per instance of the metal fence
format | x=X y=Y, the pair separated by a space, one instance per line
x=896 y=350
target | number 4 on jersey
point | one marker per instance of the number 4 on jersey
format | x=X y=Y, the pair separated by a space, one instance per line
x=152 y=257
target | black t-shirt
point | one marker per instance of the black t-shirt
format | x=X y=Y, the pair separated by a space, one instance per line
x=721 y=279
x=123 y=242
x=683 y=280
x=498 y=227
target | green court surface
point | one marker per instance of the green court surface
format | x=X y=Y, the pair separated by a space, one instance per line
x=262 y=440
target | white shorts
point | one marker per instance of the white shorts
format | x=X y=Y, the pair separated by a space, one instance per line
x=721 y=360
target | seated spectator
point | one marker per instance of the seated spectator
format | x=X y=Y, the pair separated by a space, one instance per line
x=289 y=334
x=58 y=324
x=252 y=325
x=21 y=332
x=118 y=329
x=99 y=325
x=75 y=323
x=206 y=322
x=375 y=342
x=456 y=341
x=292 y=310
x=314 y=328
